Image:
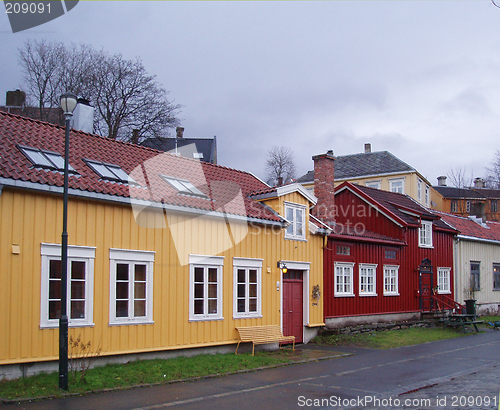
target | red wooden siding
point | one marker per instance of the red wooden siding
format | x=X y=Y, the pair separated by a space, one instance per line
x=356 y=212
x=408 y=258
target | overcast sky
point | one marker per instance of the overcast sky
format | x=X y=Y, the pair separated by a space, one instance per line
x=420 y=79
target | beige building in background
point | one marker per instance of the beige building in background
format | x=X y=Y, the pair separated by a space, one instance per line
x=381 y=170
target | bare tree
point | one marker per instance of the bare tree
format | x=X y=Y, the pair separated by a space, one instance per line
x=493 y=172
x=124 y=95
x=127 y=98
x=41 y=62
x=280 y=165
x=460 y=179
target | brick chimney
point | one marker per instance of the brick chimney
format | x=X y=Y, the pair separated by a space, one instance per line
x=368 y=148
x=135 y=136
x=324 y=187
x=15 y=98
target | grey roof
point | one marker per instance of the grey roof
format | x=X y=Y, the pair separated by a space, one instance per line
x=187 y=147
x=364 y=164
x=460 y=193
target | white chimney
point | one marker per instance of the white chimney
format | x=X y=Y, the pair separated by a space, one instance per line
x=442 y=181
x=479 y=183
x=368 y=148
x=83 y=116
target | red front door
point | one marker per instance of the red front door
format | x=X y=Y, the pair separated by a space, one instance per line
x=293 y=289
x=425 y=285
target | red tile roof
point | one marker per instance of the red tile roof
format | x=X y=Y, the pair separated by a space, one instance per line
x=227 y=190
x=471 y=228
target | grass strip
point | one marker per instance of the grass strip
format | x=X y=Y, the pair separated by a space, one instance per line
x=145 y=372
x=387 y=339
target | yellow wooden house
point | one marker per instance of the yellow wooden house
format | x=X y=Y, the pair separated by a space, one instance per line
x=165 y=253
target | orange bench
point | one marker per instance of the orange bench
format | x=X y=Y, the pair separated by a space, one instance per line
x=260 y=335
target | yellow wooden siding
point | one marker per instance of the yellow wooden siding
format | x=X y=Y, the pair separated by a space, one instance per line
x=29 y=219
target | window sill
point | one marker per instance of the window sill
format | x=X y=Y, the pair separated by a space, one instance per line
x=444 y=293
x=204 y=319
x=70 y=325
x=256 y=316
x=290 y=238
x=344 y=295
x=426 y=246
x=392 y=294
x=131 y=322
x=368 y=294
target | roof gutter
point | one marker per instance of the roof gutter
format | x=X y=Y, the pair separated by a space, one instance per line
x=476 y=239
x=97 y=196
x=368 y=240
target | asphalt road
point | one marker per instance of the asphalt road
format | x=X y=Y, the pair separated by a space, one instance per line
x=461 y=373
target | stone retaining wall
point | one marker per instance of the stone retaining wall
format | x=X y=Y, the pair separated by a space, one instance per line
x=376 y=327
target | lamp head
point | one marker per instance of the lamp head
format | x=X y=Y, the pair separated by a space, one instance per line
x=68 y=103
x=282 y=266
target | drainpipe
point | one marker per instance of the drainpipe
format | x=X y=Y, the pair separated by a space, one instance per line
x=455 y=268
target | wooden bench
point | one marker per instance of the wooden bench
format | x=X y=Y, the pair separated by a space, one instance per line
x=260 y=335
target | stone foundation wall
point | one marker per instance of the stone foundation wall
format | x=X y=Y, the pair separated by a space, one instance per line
x=376 y=327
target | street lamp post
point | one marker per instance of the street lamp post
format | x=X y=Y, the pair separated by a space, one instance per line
x=68 y=105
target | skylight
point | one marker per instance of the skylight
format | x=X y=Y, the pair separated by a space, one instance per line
x=183 y=186
x=109 y=171
x=45 y=159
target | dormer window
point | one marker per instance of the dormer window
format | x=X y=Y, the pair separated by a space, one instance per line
x=45 y=159
x=109 y=171
x=296 y=215
x=183 y=186
x=425 y=234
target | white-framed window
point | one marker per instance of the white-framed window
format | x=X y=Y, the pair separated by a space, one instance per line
x=444 y=280
x=397 y=185
x=183 y=186
x=344 y=279
x=296 y=215
x=367 y=279
x=391 y=287
x=80 y=289
x=45 y=159
x=131 y=287
x=427 y=196
x=374 y=184
x=419 y=190
x=425 y=234
x=247 y=288
x=205 y=287
x=110 y=172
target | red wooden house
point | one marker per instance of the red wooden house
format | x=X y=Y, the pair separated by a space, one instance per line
x=388 y=258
